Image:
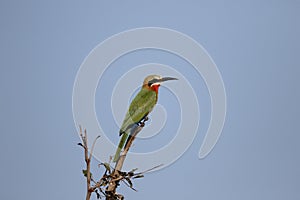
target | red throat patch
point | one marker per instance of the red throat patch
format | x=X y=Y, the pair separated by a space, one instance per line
x=155 y=88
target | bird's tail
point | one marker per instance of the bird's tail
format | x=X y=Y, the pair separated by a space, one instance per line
x=120 y=147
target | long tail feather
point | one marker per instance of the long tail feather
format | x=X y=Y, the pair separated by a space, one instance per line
x=120 y=147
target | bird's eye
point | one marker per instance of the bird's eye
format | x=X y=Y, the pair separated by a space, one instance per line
x=152 y=82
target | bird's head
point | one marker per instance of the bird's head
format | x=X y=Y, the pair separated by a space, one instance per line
x=153 y=81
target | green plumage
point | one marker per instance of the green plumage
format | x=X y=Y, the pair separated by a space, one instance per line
x=139 y=108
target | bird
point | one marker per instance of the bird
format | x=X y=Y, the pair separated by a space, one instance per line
x=142 y=104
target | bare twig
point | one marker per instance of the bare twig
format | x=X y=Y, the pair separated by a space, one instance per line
x=111 y=189
x=93 y=146
x=149 y=170
x=87 y=158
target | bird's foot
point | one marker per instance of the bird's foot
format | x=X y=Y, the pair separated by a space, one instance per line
x=145 y=119
x=142 y=122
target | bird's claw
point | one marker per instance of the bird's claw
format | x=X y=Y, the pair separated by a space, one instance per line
x=146 y=119
x=142 y=122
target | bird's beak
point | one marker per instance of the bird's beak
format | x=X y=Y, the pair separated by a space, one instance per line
x=167 y=79
x=158 y=81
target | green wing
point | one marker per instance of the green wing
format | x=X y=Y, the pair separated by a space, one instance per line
x=140 y=106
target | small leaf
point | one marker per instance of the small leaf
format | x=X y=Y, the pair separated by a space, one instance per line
x=107 y=167
x=122 y=173
x=133 y=170
x=130 y=174
x=84 y=171
x=98 y=195
x=139 y=176
x=129 y=182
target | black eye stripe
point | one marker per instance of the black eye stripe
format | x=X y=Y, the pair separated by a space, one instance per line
x=153 y=81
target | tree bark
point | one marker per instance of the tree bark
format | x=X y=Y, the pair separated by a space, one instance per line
x=111 y=189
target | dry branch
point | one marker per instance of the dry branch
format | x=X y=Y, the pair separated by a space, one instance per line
x=116 y=175
x=108 y=183
x=87 y=158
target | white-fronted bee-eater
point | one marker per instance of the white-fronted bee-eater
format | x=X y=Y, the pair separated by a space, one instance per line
x=139 y=108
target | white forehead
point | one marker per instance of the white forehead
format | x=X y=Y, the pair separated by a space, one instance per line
x=151 y=77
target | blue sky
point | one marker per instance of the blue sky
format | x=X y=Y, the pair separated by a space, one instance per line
x=255 y=45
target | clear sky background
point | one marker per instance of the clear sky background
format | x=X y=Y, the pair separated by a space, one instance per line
x=255 y=45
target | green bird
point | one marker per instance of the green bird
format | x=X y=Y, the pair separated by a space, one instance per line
x=139 y=108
